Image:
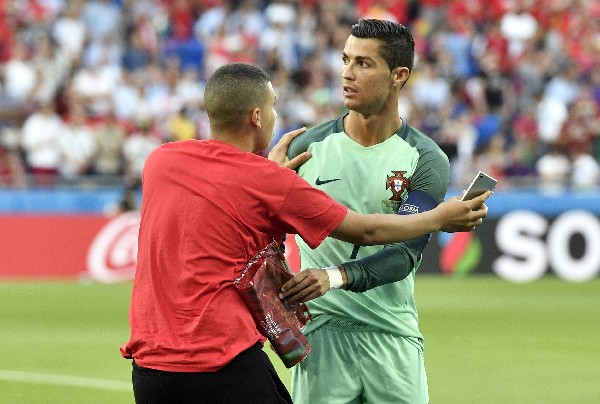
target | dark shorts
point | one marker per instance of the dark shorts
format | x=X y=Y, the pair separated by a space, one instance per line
x=250 y=378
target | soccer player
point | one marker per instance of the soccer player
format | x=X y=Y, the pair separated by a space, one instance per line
x=208 y=207
x=367 y=347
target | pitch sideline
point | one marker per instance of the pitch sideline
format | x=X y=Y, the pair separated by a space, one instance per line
x=64 y=380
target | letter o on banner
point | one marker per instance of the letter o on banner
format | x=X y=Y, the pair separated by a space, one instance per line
x=564 y=227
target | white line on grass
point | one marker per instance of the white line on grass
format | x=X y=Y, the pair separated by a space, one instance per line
x=64 y=380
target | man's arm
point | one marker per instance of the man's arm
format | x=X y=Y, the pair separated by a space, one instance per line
x=373 y=229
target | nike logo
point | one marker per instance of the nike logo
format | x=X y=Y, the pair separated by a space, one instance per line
x=319 y=181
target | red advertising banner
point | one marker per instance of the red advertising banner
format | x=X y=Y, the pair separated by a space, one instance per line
x=46 y=246
x=97 y=247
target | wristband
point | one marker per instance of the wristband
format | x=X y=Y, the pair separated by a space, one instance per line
x=335 y=277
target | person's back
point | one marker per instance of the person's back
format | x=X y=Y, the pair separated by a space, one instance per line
x=207 y=209
x=178 y=244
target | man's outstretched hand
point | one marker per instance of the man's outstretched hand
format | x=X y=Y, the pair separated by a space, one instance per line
x=457 y=215
x=278 y=153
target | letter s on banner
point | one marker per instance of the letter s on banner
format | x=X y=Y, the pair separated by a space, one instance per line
x=518 y=235
x=113 y=253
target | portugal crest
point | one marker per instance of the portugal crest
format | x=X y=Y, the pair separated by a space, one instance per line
x=398 y=183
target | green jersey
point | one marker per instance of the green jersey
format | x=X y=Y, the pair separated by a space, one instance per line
x=375 y=179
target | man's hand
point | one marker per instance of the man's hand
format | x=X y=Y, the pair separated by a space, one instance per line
x=457 y=215
x=306 y=285
x=278 y=153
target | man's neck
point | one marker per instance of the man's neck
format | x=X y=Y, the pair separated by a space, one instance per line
x=241 y=140
x=369 y=130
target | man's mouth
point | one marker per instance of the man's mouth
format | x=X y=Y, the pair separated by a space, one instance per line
x=349 y=91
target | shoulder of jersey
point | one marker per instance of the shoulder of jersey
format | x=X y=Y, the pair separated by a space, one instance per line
x=315 y=134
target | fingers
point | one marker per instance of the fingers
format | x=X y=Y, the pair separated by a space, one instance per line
x=479 y=200
x=298 y=160
x=288 y=137
x=306 y=285
x=278 y=153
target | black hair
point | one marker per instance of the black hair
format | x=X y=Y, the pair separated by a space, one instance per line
x=397 y=44
x=232 y=91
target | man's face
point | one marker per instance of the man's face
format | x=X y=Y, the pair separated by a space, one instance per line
x=268 y=115
x=366 y=77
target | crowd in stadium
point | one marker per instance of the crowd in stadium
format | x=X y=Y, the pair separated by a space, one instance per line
x=89 y=88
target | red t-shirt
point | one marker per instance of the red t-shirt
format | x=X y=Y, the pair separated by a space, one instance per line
x=207 y=209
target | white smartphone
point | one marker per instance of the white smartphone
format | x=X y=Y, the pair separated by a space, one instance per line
x=481 y=183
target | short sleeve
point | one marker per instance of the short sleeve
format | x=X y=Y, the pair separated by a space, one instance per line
x=310 y=212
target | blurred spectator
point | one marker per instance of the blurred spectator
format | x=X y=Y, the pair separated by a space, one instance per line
x=70 y=31
x=518 y=26
x=105 y=51
x=78 y=144
x=20 y=75
x=551 y=115
x=181 y=44
x=519 y=169
x=12 y=169
x=180 y=126
x=110 y=136
x=493 y=158
x=490 y=46
x=585 y=173
x=7 y=23
x=553 y=170
x=41 y=136
x=189 y=88
x=564 y=85
x=135 y=56
x=212 y=21
x=391 y=10
x=430 y=91
x=278 y=39
x=136 y=149
x=102 y=18
x=94 y=85
x=129 y=98
x=165 y=100
x=53 y=67
x=524 y=149
x=458 y=142
x=582 y=126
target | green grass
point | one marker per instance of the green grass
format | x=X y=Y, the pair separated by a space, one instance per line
x=486 y=341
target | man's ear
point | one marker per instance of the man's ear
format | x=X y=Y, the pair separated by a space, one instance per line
x=255 y=117
x=400 y=75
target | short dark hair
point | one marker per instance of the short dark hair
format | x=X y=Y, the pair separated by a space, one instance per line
x=232 y=91
x=397 y=44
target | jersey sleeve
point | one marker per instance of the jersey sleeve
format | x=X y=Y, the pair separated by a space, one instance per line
x=310 y=213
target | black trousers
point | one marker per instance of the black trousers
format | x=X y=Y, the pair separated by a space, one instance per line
x=249 y=379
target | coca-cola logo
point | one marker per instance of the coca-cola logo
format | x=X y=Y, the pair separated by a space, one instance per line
x=113 y=253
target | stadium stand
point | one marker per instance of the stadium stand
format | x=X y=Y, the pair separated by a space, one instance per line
x=508 y=87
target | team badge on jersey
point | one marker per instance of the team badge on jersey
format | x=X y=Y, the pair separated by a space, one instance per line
x=398 y=184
